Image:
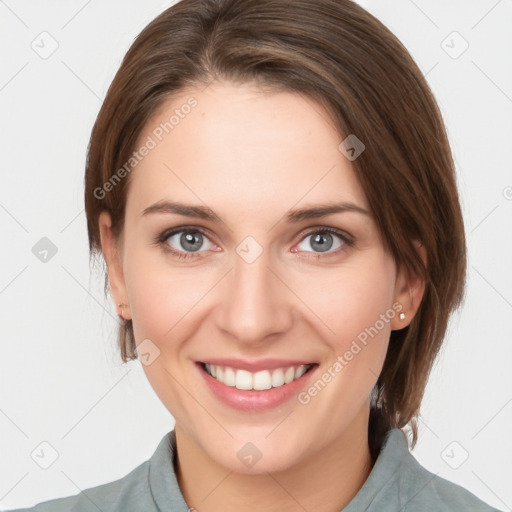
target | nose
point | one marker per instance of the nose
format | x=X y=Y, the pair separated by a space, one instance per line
x=255 y=304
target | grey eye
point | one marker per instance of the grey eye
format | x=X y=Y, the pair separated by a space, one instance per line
x=188 y=241
x=321 y=242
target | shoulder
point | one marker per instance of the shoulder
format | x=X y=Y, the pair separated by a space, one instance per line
x=152 y=486
x=421 y=490
x=127 y=494
x=426 y=490
x=398 y=481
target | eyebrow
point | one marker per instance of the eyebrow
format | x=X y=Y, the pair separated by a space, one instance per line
x=293 y=216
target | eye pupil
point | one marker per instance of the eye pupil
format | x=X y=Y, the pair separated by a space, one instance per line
x=187 y=240
x=322 y=246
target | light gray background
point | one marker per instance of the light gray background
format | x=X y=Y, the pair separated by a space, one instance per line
x=61 y=380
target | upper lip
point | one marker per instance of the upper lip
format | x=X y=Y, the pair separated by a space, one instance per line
x=254 y=366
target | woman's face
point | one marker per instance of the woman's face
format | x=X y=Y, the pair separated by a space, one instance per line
x=257 y=286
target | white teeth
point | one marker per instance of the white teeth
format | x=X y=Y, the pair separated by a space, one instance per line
x=259 y=381
x=300 y=371
x=262 y=380
x=229 y=377
x=243 y=379
x=289 y=375
x=277 y=378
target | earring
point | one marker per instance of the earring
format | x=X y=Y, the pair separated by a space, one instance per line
x=122 y=306
x=401 y=316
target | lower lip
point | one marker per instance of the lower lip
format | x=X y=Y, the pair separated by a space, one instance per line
x=252 y=400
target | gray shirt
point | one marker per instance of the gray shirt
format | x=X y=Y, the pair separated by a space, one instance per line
x=397 y=482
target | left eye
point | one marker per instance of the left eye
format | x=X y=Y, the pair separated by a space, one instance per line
x=323 y=240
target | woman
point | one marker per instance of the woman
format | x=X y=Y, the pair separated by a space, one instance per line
x=271 y=187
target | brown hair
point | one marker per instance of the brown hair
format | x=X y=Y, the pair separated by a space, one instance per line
x=338 y=54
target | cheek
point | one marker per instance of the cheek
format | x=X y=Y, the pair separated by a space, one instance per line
x=162 y=302
x=351 y=300
x=357 y=308
x=159 y=298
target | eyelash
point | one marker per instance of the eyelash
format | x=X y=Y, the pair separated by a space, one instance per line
x=161 y=239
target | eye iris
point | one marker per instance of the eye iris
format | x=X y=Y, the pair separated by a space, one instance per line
x=321 y=246
x=187 y=239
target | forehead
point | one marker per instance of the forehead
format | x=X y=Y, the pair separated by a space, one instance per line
x=237 y=146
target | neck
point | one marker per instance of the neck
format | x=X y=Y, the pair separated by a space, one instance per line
x=326 y=481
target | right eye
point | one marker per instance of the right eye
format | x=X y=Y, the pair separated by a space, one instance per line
x=184 y=242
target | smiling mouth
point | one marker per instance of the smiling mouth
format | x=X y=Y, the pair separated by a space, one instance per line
x=258 y=381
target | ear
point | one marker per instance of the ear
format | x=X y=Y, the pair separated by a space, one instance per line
x=409 y=290
x=114 y=263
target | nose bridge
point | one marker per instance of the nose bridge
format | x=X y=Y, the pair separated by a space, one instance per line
x=255 y=303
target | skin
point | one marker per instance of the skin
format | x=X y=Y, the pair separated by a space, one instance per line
x=251 y=156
